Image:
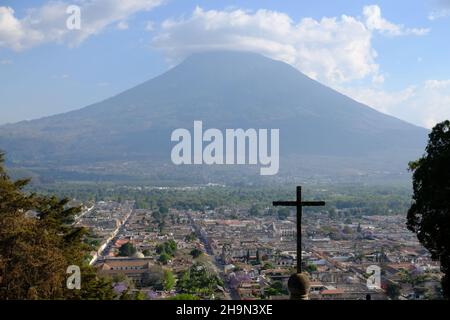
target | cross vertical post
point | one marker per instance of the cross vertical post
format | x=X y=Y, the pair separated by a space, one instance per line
x=299 y=204
x=299 y=229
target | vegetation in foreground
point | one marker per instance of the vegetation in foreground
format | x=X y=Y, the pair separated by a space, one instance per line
x=429 y=215
x=38 y=244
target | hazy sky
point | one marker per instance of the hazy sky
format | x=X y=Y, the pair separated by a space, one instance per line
x=391 y=55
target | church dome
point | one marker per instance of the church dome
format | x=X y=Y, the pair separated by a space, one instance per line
x=138 y=255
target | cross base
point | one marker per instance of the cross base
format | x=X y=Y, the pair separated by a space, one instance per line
x=298 y=285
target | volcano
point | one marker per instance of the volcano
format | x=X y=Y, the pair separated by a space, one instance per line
x=323 y=133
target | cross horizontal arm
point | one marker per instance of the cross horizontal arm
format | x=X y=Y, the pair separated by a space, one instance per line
x=302 y=204
x=285 y=203
x=313 y=203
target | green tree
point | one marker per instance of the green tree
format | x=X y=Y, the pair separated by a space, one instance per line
x=169 y=280
x=195 y=253
x=254 y=210
x=126 y=295
x=38 y=243
x=184 y=296
x=429 y=215
x=283 y=213
x=197 y=280
x=122 y=278
x=191 y=237
x=172 y=246
x=311 y=268
x=168 y=247
x=164 y=258
x=139 y=295
x=258 y=258
x=127 y=250
x=163 y=210
x=347 y=230
x=275 y=289
x=277 y=285
x=160 y=248
x=393 y=291
x=267 y=266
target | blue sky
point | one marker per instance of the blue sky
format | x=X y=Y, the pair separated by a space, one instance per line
x=391 y=55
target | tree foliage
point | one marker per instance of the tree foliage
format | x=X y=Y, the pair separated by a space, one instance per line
x=164 y=258
x=38 y=243
x=275 y=289
x=283 y=213
x=197 y=280
x=184 y=296
x=355 y=199
x=393 y=291
x=168 y=247
x=169 y=280
x=127 y=250
x=195 y=253
x=429 y=215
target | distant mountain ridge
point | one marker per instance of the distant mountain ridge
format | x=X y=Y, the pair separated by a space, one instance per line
x=224 y=90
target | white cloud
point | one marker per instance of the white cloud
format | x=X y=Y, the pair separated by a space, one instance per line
x=379 y=99
x=122 y=25
x=442 y=10
x=437 y=84
x=334 y=50
x=424 y=105
x=439 y=14
x=374 y=21
x=378 y=79
x=331 y=50
x=6 y=61
x=150 y=26
x=12 y=31
x=48 y=23
x=432 y=103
